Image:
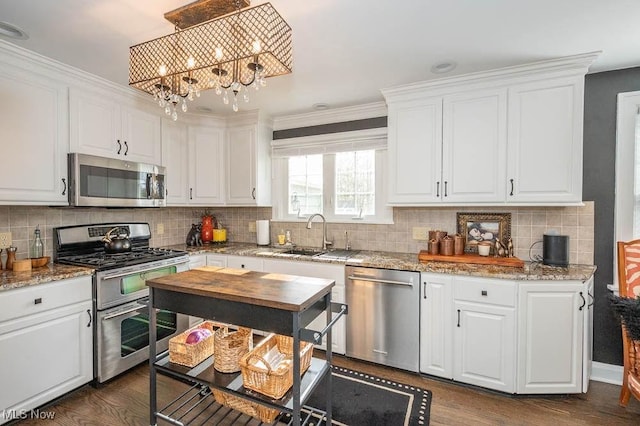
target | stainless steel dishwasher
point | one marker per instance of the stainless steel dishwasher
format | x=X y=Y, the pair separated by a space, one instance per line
x=384 y=316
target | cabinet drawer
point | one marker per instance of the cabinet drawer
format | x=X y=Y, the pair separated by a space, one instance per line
x=39 y=298
x=494 y=292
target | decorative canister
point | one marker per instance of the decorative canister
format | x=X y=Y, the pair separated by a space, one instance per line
x=207 y=228
x=446 y=246
x=433 y=246
x=437 y=235
x=458 y=244
x=220 y=235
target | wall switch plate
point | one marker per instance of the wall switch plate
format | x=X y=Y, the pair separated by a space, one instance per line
x=420 y=233
x=160 y=228
x=5 y=240
x=252 y=226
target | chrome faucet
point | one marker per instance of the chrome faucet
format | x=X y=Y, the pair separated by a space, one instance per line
x=325 y=243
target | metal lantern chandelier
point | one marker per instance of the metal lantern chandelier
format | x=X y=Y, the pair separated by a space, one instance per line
x=229 y=53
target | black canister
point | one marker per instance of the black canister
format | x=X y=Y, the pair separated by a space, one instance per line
x=555 y=250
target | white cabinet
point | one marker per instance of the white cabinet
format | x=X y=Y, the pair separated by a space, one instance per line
x=448 y=149
x=503 y=136
x=46 y=335
x=175 y=158
x=248 y=164
x=197 y=260
x=436 y=327
x=318 y=270
x=206 y=165
x=35 y=139
x=484 y=342
x=100 y=125
x=545 y=141
x=245 y=262
x=555 y=336
x=193 y=156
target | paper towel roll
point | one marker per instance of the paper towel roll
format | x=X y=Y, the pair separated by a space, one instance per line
x=262 y=232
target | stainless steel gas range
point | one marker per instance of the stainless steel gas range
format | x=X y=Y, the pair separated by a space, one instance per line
x=120 y=294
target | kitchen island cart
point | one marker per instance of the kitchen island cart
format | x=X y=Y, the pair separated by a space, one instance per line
x=276 y=303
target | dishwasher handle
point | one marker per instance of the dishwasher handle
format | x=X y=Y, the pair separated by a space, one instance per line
x=380 y=281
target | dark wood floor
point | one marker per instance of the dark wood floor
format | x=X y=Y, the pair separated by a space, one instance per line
x=124 y=401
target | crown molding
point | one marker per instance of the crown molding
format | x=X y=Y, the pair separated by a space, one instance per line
x=558 y=67
x=333 y=115
x=377 y=133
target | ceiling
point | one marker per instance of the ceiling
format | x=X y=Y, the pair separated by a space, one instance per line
x=346 y=50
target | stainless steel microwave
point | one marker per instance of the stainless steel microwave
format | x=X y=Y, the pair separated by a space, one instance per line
x=109 y=182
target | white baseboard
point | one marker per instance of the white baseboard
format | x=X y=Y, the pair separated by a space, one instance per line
x=607 y=373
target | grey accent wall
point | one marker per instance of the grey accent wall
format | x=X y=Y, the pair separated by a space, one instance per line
x=600 y=105
x=345 y=126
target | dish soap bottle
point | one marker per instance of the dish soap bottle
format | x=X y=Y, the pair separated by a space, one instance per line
x=37 y=248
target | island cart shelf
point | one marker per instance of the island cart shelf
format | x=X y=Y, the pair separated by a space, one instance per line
x=277 y=303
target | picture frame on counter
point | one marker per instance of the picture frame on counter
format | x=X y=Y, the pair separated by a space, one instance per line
x=477 y=227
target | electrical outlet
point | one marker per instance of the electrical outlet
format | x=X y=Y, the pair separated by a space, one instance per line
x=252 y=226
x=5 y=240
x=160 y=228
x=420 y=233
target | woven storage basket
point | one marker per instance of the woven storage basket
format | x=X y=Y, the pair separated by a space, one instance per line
x=268 y=381
x=192 y=354
x=265 y=414
x=229 y=347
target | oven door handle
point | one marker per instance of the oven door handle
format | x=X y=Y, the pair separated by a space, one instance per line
x=125 y=312
x=140 y=271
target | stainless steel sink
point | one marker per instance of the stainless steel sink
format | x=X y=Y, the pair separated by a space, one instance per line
x=338 y=254
x=305 y=251
x=323 y=254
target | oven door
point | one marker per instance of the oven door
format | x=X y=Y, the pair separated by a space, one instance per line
x=123 y=336
x=119 y=286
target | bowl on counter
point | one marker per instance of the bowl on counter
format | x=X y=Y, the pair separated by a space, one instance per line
x=38 y=262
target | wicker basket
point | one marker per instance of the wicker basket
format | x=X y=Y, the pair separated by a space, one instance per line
x=192 y=354
x=229 y=347
x=273 y=382
x=259 y=411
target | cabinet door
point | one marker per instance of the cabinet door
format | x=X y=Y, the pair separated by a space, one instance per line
x=245 y=262
x=474 y=140
x=415 y=151
x=198 y=260
x=175 y=157
x=545 y=141
x=45 y=355
x=94 y=124
x=436 y=330
x=241 y=166
x=206 y=171
x=550 y=329
x=35 y=140
x=587 y=337
x=217 y=260
x=484 y=346
x=141 y=136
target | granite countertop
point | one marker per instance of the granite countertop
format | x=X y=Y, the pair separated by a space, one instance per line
x=406 y=261
x=52 y=272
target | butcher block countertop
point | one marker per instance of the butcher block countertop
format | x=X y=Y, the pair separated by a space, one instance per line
x=279 y=291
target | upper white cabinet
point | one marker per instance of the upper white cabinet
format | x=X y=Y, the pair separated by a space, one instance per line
x=175 y=158
x=248 y=161
x=101 y=125
x=35 y=138
x=545 y=141
x=512 y=135
x=206 y=165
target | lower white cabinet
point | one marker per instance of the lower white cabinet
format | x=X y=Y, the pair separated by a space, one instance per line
x=46 y=336
x=217 y=260
x=197 y=260
x=436 y=328
x=484 y=338
x=245 y=262
x=554 y=343
x=525 y=337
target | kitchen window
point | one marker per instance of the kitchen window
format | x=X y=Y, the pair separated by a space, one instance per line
x=341 y=179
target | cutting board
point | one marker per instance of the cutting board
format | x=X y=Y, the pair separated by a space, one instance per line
x=514 y=262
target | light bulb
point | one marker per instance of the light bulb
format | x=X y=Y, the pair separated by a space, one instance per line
x=162 y=70
x=191 y=62
x=218 y=53
x=256 y=47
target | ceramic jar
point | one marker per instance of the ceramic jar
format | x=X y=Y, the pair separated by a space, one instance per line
x=207 y=229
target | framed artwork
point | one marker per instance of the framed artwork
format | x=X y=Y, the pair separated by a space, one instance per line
x=478 y=227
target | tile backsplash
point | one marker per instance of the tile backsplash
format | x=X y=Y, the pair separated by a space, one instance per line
x=528 y=224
